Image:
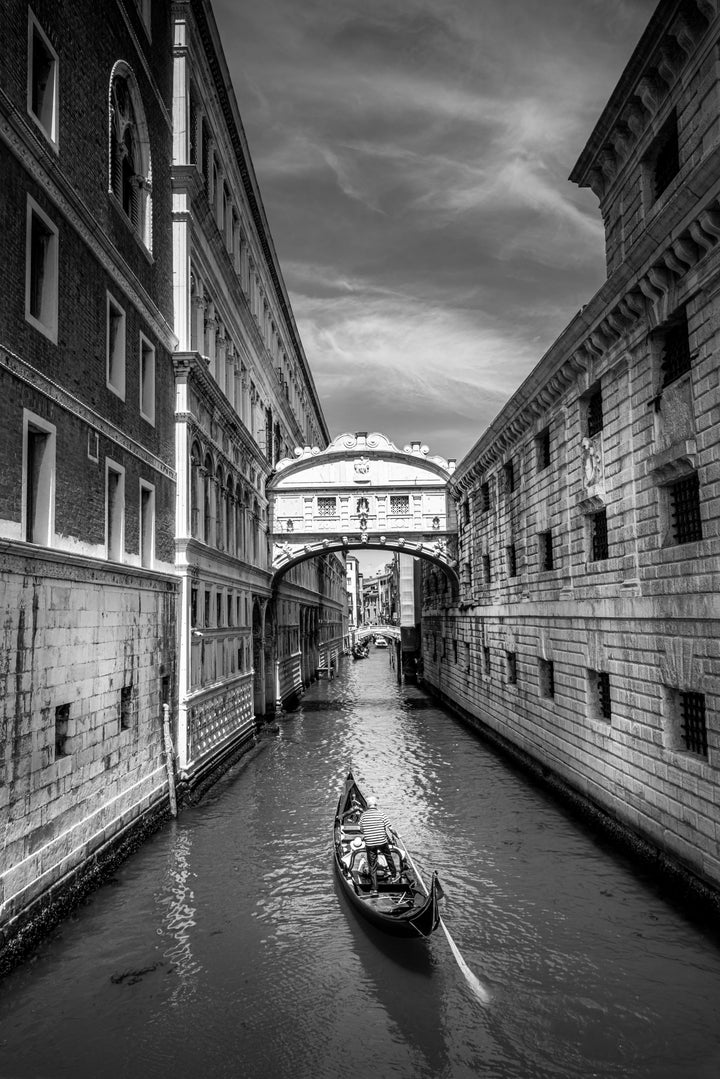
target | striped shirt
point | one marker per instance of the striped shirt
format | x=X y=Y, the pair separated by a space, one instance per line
x=374 y=828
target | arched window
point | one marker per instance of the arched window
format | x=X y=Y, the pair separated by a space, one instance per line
x=219 y=510
x=130 y=168
x=207 y=499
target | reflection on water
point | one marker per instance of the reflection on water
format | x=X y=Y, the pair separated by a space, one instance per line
x=232 y=916
x=175 y=901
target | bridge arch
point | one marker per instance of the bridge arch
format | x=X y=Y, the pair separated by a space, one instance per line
x=362 y=493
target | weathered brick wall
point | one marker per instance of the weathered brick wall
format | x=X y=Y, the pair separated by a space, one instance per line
x=76 y=636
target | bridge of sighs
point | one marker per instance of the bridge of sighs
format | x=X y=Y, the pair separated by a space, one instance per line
x=362 y=492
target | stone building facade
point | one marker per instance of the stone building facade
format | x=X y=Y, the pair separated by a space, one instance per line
x=245 y=398
x=87 y=487
x=586 y=631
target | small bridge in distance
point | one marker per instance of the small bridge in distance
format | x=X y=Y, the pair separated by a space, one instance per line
x=377 y=631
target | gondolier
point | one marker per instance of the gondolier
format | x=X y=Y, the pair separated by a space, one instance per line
x=375 y=830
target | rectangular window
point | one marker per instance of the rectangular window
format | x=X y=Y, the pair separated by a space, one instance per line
x=127 y=708
x=511 y=668
x=662 y=162
x=511 y=560
x=542 y=449
x=509 y=474
x=62 y=719
x=684 y=507
x=487 y=576
x=546 y=677
x=115 y=347
x=399 y=504
x=115 y=511
x=193 y=605
x=594 y=413
x=326 y=507
x=207 y=607
x=693 y=725
x=41 y=271
x=485 y=498
x=486 y=660
x=545 y=551
x=147 y=380
x=147 y=524
x=599 y=694
x=42 y=88
x=675 y=358
x=598 y=536
x=38 y=480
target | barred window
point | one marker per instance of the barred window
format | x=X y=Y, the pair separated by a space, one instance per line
x=327 y=507
x=546 y=677
x=486 y=660
x=685 y=521
x=511 y=560
x=509 y=474
x=599 y=536
x=62 y=719
x=485 y=498
x=487 y=575
x=599 y=694
x=675 y=359
x=693 y=725
x=511 y=668
x=545 y=550
x=542 y=449
x=594 y=413
x=399 y=504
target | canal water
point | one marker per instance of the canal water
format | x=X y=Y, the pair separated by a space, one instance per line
x=224 y=949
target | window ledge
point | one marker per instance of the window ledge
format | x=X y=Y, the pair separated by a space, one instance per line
x=673 y=463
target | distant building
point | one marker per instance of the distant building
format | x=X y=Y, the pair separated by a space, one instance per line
x=354 y=591
x=586 y=630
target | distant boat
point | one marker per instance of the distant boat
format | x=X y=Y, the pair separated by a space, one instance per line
x=380 y=642
x=403 y=906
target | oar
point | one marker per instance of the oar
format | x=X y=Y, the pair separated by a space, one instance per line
x=473 y=981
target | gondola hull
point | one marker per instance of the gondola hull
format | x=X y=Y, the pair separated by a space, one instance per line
x=403 y=907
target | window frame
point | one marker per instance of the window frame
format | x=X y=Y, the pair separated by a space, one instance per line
x=50 y=131
x=147 y=557
x=31 y=420
x=113 y=546
x=117 y=386
x=146 y=345
x=48 y=326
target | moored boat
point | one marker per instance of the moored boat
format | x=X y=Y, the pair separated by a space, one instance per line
x=403 y=904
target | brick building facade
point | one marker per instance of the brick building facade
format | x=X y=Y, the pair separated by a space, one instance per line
x=586 y=631
x=87 y=488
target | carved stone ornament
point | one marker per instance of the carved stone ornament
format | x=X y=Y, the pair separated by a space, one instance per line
x=362 y=465
x=592 y=462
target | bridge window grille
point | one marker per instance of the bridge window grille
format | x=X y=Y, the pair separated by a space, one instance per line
x=685 y=509
x=327 y=507
x=511 y=560
x=594 y=413
x=546 y=673
x=693 y=726
x=399 y=504
x=675 y=359
x=542 y=449
x=511 y=668
x=599 y=536
x=546 y=551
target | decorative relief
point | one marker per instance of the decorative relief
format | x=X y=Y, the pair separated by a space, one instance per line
x=675 y=415
x=592 y=462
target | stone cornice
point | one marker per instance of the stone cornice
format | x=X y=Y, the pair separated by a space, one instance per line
x=669 y=43
x=655 y=278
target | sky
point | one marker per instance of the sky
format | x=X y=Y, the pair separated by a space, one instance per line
x=412 y=158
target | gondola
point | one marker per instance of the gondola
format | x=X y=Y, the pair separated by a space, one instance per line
x=404 y=906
